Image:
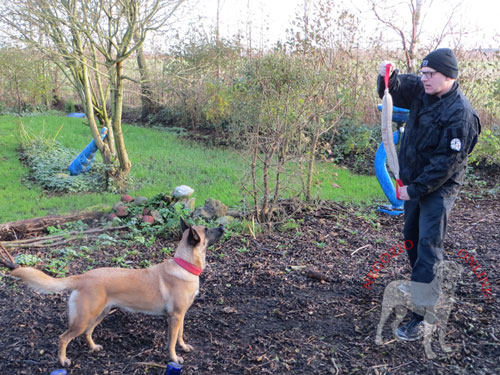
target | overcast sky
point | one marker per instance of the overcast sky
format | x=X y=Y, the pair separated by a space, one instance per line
x=271 y=18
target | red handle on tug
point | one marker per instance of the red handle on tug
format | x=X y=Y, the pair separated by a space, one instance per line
x=387 y=74
x=399 y=184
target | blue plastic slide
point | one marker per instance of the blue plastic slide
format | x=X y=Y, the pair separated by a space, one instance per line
x=400 y=116
x=385 y=180
x=83 y=161
x=76 y=114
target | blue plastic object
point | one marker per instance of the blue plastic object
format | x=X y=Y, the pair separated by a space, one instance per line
x=173 y=369
x=76 y=114
x=83 y=161
x=60 y=371
x=399 y=115
x=385 y=180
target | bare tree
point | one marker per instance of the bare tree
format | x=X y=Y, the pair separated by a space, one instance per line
x=16 y=69
x=90 y=41
x=324 y=112
x=409 y=33
x=248 y=29
x=268 y=113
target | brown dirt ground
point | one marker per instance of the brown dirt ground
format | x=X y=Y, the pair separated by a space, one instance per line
x=258 y=313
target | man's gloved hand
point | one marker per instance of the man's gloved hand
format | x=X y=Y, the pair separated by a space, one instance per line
x=383 y=64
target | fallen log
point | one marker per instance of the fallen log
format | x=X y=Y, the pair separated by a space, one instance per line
x=19 y=229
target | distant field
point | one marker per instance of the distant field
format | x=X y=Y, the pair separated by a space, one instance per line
x=160 y=162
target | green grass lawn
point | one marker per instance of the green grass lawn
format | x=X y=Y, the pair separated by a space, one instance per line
x=160 y=162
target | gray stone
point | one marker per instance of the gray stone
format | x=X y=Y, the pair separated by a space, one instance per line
x=189 y=204
x=183 y=191
x=225 y=220
x=157 y=216
x=140 y=200
x=215 y=208
x=203 y=213
x=234 y=213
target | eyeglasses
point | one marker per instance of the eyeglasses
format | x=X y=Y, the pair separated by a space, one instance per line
x=427 y=75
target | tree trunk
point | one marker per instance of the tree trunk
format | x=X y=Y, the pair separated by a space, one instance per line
x=310 y=170
x=147 y=103
x=117 y=101
x=415 y=35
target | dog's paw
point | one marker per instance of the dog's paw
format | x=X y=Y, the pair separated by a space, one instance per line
x=175 y=358
x=378 y=341
x=96 y=348
x=65 y=362
x=187 y=348
x=178 y=360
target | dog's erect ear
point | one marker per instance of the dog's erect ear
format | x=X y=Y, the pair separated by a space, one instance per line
x=193 y=237
x=184 y=226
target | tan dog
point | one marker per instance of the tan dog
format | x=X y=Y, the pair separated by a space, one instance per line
x=167 y=288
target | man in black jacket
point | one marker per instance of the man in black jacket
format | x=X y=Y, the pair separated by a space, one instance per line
x=441 y=131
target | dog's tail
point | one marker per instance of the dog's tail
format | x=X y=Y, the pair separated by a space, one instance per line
x=42 y=282
x=36 y=279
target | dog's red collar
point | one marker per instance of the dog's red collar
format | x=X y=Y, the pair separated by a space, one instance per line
x=188 y=266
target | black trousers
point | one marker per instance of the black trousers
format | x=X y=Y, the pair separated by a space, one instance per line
x=425 y=225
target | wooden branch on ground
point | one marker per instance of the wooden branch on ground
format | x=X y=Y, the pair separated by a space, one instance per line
x=59 y=239
x=359 y=248
x=17 y=229
x=151 y=364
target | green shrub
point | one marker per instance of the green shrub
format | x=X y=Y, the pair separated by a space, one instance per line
x=69 y=106
x=218 y=107
x=355 y=146
x=48 y=163
x=33 y=109
x=166 y=117
x=486 y=154
x=28 y=260
x=168 y=223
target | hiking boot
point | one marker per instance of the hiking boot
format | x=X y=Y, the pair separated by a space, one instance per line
x=411 y=331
